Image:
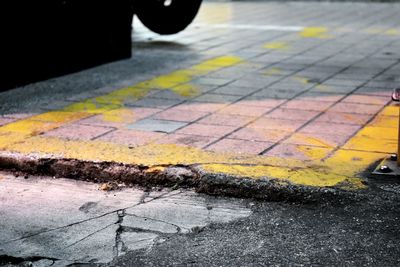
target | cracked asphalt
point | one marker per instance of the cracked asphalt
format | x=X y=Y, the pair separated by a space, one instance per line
x=61 y=222
x=43 y=223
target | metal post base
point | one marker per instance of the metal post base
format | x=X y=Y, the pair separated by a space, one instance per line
x=388 y=167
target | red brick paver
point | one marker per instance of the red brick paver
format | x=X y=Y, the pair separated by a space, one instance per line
x=176 y=114
x=131 y=137
x=206 y=130
x=75 y=131
x=239 y=146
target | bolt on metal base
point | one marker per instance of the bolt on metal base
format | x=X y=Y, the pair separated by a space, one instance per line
x=388 y=167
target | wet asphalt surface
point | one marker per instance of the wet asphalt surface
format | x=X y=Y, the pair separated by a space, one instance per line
x=360 y=232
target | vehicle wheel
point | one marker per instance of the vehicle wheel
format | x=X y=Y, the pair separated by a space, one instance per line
x=166 y=16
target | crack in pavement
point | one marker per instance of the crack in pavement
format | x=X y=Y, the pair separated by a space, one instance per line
x=89 y=235
x=86 y=220
x=119 y=244
x=178 y=228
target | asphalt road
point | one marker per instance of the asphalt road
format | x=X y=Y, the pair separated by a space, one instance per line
x=362 y=232
x=42 y=225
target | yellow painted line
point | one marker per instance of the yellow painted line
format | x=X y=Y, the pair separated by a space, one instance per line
x=323 y=169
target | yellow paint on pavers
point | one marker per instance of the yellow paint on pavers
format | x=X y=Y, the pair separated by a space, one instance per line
x=315 y=32
x=313 y=153
x=111 y=105
x=382 y=31
x=379 y=136
x=310 y=173
x=351 y=162
x=373 y=30
x=392 y=32
x=300 y=79
x=392 y=110
x=310 y=140
x=186 y=90
x=386 y=121
x=277 y=45
x=324 y=88
x=273 y=71
x=120 y=116
x=340 y=169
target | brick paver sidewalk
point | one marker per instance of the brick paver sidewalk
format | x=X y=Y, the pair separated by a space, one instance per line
x=296 y=94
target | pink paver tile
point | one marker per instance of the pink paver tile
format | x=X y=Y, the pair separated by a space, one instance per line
x=345 y=118
x=141 y=113
x=239 y=146
x=276 y=124
x=310 y=96
x=307 y=105
x=131 y=137
x=119 y=119
x=226 y=119
x=198 y=106
x=4 y=120
x=245 y=110
x=261 y=102
x=299 y=152
x=20 y=116
x=187 y=140
x=366 y=99
x=259 y=134
x=330 y=128
x=356 y=108
x=76 y=131
x=206 y=130
x=317 y=139
x=175 y=114
x=217 y=98
x=292 y=114
x=99 y=120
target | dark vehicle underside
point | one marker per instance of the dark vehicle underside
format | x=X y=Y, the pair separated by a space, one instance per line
x=47 y=38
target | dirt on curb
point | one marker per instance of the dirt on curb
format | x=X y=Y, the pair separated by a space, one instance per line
x=113 y=175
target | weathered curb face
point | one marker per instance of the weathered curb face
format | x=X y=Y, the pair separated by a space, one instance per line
x=323 y=170
x=173 y=176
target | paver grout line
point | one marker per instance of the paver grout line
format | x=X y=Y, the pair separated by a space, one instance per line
x=334 y=103
x=269 y=111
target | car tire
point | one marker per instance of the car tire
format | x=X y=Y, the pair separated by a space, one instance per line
x=166 y=16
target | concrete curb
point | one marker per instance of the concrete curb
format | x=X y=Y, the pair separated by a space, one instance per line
x=179 y=176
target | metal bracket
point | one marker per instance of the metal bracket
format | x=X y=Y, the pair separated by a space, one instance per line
x=388 y=167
